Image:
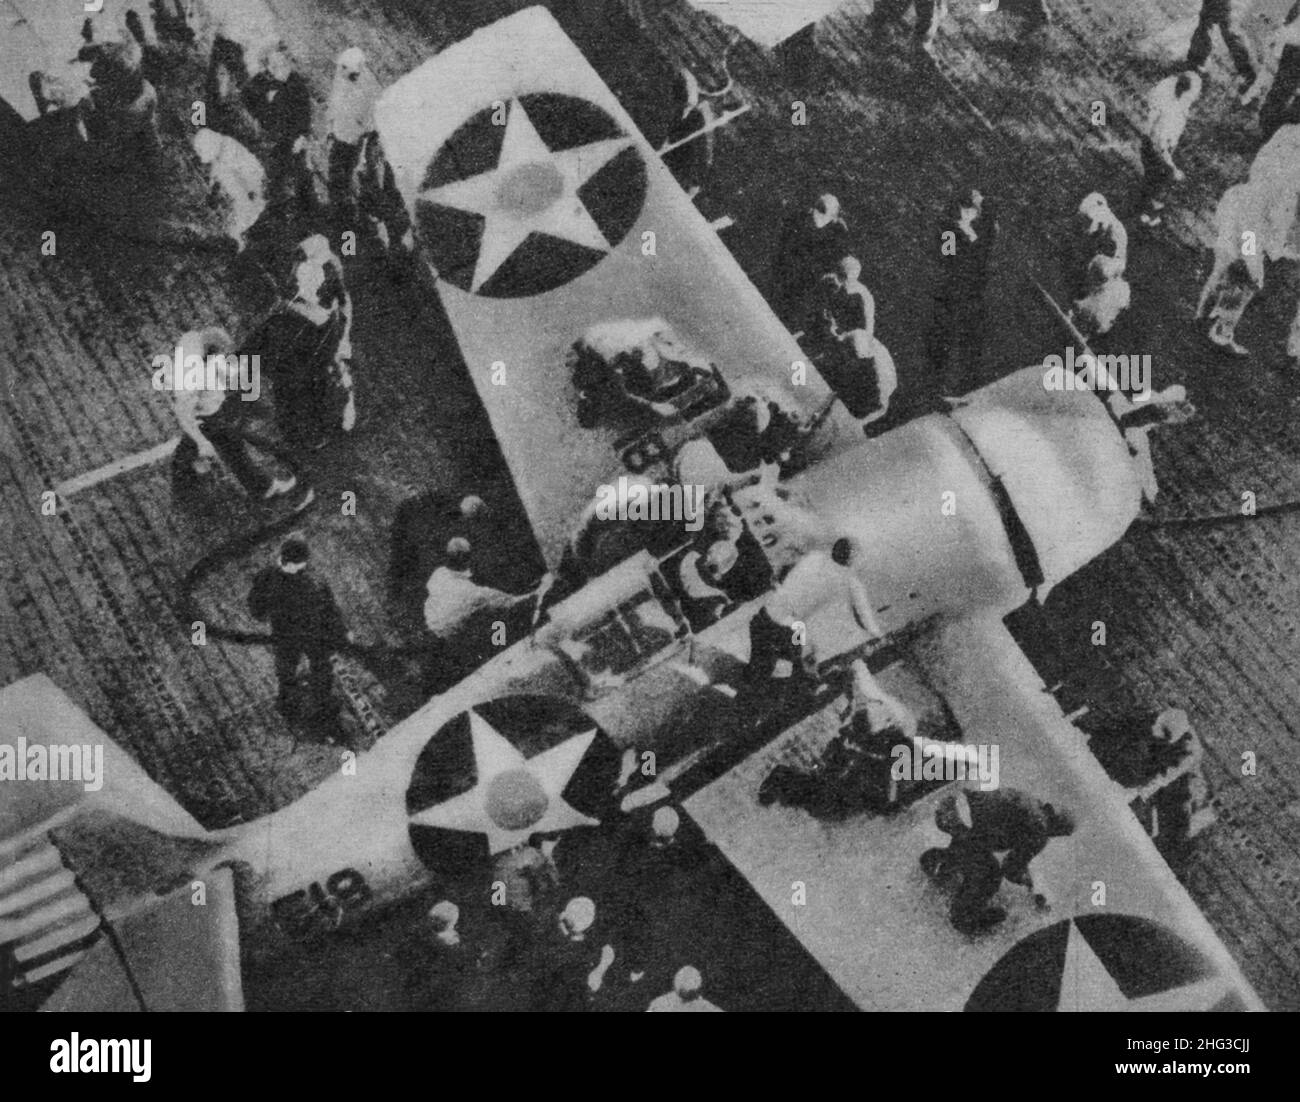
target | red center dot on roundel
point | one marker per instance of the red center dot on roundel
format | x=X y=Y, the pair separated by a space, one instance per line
x=515 y=800
x=530 y=189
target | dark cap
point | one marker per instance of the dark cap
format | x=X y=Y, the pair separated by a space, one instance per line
x=294 y=550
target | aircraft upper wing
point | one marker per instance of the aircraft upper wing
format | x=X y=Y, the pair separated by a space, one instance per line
x=180 y=955
x=544 y=211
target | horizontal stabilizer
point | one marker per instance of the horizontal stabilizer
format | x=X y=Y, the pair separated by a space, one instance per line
x=182 y=954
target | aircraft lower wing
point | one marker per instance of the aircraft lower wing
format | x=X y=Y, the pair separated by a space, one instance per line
x=880 y=927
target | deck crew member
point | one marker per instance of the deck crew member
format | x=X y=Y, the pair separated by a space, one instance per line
x=305 y=342
x=238 y=177
x=1101 y=291
x=422 y=528
x=305 y=623
x=700 y=570
x=124 y=119
x=224 y=86
x=685 y=995
x=279 y=99
x=1223 y=14
x=440 y=965
x=1282 y=104
x=460 y=615
x=348 y=119
x=210 y=421
x=983 y=824
x=690 y=163
x=928 y=14
x=1237 y=275
x=843 y=301
x=812 y=242
x=777 y=631
x=955 y=341
x=1168 y=105
x=568 y=968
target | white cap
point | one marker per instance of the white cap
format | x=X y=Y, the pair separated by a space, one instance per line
x=207 y=143
x=1171 y=725
x=665 y=822
x=687 y=982
x=444 y=915
x=720 y=558
x=1094 y=205
x=578 y=915
x=351 y=60
x=315 y=247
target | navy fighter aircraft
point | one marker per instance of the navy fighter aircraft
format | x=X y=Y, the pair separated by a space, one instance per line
x=540 y=212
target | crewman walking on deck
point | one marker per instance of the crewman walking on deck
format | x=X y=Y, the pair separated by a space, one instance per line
x=305 y=623
x=348 y=119
x=1282 y=104
x=1223 y=14
x=955 y=341
x=1168 y=105
x=1238 y=272
x=279 y=98
x=1101 y=291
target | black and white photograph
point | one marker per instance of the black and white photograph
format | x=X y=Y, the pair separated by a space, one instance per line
x=746 y=506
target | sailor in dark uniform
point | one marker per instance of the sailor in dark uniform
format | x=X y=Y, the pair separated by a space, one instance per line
x=956 y=337
x=812 y=242
x=305 y=623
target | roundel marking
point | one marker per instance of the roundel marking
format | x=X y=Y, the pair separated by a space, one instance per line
x=1103 y=962
x=521 y=209
x=494 y=775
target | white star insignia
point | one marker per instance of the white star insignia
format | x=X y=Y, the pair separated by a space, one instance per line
x=533 y=189
x=1086 y=985
x=513 y=796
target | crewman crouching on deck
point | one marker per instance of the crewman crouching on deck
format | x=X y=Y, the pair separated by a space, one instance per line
x=463 y=617
x=983 y=824
x=305 y=623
